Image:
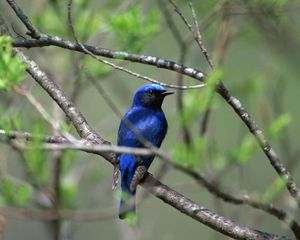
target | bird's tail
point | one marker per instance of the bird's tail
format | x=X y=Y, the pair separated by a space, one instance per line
x=127 y=201
x=127 y=204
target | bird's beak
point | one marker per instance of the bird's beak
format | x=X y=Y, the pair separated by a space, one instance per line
x=167 y=93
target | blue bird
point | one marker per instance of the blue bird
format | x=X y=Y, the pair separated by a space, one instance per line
x=145 y=121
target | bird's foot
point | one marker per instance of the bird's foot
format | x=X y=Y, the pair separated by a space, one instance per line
x=137 y=177
x=115 y=179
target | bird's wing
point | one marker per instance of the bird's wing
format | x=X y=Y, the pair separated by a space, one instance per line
x=151 y=125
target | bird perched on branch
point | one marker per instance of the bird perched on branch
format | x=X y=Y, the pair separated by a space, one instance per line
x=143 y=124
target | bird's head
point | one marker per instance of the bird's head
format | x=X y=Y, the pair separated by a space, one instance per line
x=151 y=96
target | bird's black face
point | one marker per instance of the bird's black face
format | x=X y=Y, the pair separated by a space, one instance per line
x=153 y=98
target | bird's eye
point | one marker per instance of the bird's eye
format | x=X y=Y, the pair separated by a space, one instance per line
x=150 y=92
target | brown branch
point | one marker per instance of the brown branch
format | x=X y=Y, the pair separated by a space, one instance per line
x=160 y=190
x=209 y=185
x=32 y=30
x=261 y=140
x=168 y=195
x=202 y=214
x=13 y=135
x=198 y=37
x=183 y=48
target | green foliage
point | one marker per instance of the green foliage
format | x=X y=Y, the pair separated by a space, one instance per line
x=248 y=86
x=278 y=125
x=245 y=151
x=274 y=189
x=69 y=187
x=197 y=101
x=133 y=29
x=95 y=68
x=248 y=145
x=87 y=23
x=6 y=124
x=269 y=7
x=69 y=190
x=50 y=21
x=64 y=127
x=218 y=161
x=68 y=160
x=190 y=155
x=14 y=192
x=270 y=3
x=11 y=67
x=81 y=3
x=36 y=159
x=12 y=122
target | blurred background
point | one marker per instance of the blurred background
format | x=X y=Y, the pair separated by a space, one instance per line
x=255 y=46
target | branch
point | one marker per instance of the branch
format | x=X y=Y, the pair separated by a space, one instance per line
x=32 y=30
x=197 y=35
x=160 y=190
x=245 y=199
x=98 y=51
x=163 y=192
x=261 y=140
x=202 y=214
x=13 y=135
x=61 y=144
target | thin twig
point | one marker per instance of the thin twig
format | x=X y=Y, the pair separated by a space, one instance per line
x=32 y=30
x=159 y=190
x=183 y=48
x=210 y=186
x=198 y=36
x=46 y=116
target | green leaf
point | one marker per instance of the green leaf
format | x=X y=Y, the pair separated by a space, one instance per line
x=246 y=150
x=197 y=101
x=69 y=190
x=278 y=125
x=12 y=67
x=67 y=161
x=15 y=192
x=93 y=67
x=274 y=189
x=219 y=162
x=133 y=28
x=50 y=21
x=6 y=124
x=36 y=159
x=192 y=155
x=88 y=23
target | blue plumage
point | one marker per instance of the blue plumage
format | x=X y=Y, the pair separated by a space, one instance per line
x=144 y=119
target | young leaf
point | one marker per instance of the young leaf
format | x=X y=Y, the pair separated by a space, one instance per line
x=279 y=124
x=14 y=192
x=133 y=28
x=11 y=67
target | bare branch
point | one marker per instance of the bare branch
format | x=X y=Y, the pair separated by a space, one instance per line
x=198 y=36
x=32 y=30
x=98 y=51
x=202 y=214
x=61 y=144
x=13 y=135
x=163 y=192
x=263 y=143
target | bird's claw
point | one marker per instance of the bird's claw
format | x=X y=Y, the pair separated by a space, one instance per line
x=137 y=177
x=115 y=177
